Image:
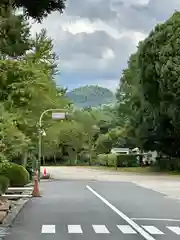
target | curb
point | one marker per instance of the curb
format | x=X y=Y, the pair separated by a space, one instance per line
x=14 y=212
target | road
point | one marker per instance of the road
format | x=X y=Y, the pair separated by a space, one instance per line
x=75 y=209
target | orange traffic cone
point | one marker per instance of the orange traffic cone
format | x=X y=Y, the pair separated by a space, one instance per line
x=45 y=172
x=36 y=192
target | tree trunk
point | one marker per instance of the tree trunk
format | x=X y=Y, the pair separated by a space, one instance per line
x=54 y=157
x=44 y=161
x=76 y=158
x=24 y=159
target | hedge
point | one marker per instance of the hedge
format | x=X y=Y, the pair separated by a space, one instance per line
x=113 y=160
x=127 y=160
x=17 y=174
x=4 y=184
x=107 y=159
x=102 y=159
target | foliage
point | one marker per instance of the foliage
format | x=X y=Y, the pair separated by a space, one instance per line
x=159 y=74
x=126 y=160
x=4 y=184
x=17 y=174
x=108 y=160
x=36 y=9
x=112 y=160
x=14 y=34
x=91 y=96
x=3 y=158
x=102 y=159
x=12 y=140
x=148 y=94
x=25 y=81
x=103 y=144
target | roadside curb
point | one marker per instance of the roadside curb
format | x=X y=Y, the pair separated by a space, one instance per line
x=14 y=212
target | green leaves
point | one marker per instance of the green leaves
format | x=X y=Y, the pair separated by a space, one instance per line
x=148 y=95
x=36 y=9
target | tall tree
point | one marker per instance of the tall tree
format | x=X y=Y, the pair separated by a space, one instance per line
x=36 y=9
x=159 y=60
x=14 y=34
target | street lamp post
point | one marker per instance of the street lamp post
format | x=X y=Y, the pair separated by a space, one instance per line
x=55 y=115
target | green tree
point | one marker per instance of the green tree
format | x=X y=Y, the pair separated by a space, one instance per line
x=158 y=64
x=36 y=9
x=14 y=34
x=103 y=144
x=72 y=136
x=12 y=141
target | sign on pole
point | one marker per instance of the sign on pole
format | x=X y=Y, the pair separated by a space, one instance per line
x=58 y=115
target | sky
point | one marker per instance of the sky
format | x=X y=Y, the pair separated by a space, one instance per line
x=94 y=38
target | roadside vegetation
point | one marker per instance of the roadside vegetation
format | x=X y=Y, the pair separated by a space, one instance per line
x=146 y=114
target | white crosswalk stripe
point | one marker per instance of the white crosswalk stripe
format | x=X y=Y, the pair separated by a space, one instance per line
x=153 y=230
x=100 y=229
x=174 y=229
x=126 y=229
x=103 y=229
x=48 y=229
x=74 y=229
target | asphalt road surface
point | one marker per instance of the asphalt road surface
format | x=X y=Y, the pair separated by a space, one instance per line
x=95 y=210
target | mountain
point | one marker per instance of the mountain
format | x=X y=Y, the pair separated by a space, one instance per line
x=91 y=96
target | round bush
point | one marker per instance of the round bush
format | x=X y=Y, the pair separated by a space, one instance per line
x=4 y=184
x=17 y=174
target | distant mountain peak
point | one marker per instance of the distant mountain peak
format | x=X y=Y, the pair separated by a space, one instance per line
x=91 y=96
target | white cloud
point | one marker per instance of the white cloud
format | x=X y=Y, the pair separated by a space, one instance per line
x=95 y=38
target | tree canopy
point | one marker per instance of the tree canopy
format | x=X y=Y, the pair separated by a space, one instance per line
x=36 y=9
x=148 y=94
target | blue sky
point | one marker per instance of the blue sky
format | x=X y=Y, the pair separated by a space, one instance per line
x=94 y=38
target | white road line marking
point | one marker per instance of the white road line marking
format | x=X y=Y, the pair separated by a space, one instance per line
x=153 y=230
x=48 y=229
x=74 y=229
x=139 y=229
x=126 y=229
x=100 y=229
x=175 y=229
x=156 y=219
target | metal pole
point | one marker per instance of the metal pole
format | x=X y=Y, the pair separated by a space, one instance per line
x=38 y=162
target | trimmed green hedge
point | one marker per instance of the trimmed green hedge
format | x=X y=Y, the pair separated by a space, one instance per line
x=102 y=159
x=17 y=174
x=4 y=184
x=109 y=160
x=127 y=160
x=112 y=160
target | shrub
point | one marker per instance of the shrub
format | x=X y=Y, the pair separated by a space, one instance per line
x=84 y=157
x=4 y=184
x=112 y=159
x=126 y=160
x=17 y=174
x=103 y=159
x=3 y=158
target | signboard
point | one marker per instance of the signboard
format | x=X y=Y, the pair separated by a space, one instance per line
x=58 y=115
